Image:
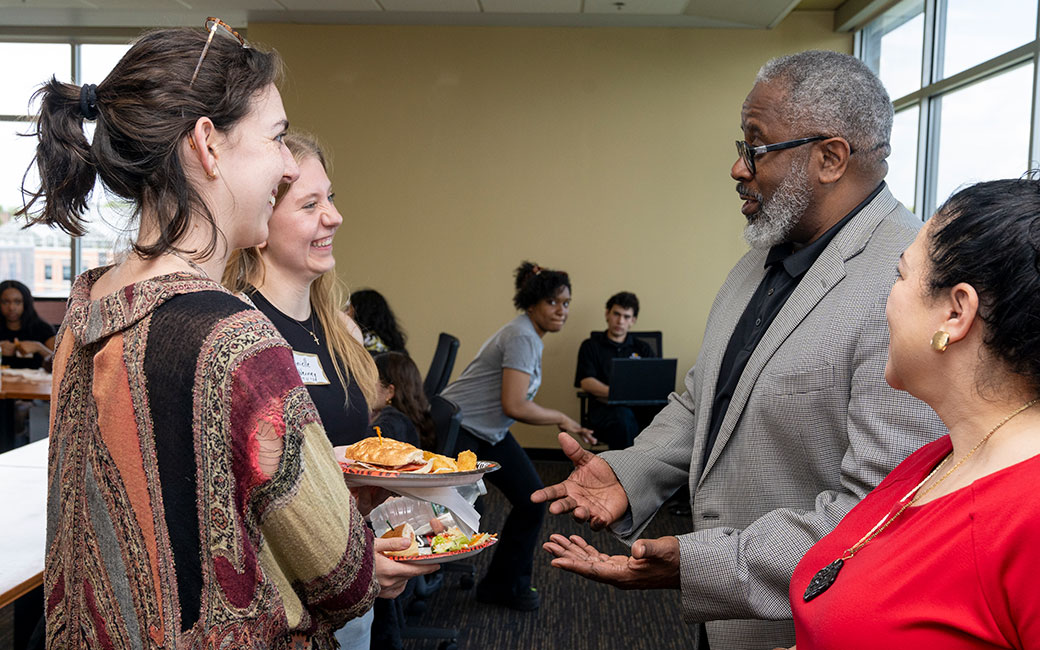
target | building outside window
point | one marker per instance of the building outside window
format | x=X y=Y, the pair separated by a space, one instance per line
x=30 y=254
x=962 y=77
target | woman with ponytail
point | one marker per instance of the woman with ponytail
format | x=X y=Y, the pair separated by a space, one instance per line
x=497 y=389
x=193 y=497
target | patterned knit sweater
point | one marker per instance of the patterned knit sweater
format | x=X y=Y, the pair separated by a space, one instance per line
x=193 y=498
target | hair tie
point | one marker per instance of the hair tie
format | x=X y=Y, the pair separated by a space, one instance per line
x=88 y=101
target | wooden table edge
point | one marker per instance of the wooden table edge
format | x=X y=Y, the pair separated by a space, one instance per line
x=20 y=590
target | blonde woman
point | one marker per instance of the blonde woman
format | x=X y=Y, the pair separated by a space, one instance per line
x=291 y=279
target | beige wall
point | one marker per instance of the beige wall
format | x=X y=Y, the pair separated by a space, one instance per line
x=459 y=152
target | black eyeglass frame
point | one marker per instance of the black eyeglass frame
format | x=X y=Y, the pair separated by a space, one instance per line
x=214 y=25
x=748 y=153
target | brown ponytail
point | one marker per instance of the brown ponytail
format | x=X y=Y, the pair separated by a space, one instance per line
x=143 y=108
x=66 y=164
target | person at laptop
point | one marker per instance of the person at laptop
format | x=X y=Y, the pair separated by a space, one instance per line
x=616 y=425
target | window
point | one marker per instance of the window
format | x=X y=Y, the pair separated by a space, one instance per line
x=961 y=77
x=30 y=254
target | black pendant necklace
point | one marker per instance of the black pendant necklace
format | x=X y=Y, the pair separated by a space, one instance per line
x=823 y=579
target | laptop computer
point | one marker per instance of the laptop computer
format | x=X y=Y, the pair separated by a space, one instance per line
x=635 y=382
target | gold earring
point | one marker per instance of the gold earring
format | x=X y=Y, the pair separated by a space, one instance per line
x=212 y=175
x=388 y=401
x=940 y=340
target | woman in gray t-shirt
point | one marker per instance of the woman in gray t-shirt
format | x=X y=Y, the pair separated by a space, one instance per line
x=497 y=389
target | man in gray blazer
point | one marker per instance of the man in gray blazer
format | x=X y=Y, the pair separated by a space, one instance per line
x=786 y=421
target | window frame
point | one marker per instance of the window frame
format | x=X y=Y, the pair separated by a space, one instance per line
x=931 y=91
x=75 y=39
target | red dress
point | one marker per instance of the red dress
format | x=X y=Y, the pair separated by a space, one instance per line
x=961 y=571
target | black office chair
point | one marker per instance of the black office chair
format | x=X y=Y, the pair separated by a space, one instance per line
x=653 y=339
x=447 y=417
x=441 y=365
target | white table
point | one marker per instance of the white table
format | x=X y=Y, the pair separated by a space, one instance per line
x=23 y=520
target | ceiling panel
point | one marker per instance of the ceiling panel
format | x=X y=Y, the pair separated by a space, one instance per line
x=637 y=7
x=579 y=13
x=325 y=5
x=531 y=6
x=450 y=6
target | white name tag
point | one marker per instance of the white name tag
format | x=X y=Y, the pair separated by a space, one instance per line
x=309 y=367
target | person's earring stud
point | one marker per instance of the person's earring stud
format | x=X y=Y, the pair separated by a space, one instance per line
x=940 y=340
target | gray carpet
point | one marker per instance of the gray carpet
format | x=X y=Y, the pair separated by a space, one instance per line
x=575 y=613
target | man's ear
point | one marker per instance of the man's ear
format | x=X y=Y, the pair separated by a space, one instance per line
x=833 y=157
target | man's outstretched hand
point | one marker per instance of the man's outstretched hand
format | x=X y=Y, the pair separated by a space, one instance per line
x=654 y=563
x=591 y=493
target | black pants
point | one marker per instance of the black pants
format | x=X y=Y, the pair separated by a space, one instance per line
x=513 y=561
x=619 y=425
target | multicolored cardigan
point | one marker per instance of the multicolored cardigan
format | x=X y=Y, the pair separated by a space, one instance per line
x=193 y=498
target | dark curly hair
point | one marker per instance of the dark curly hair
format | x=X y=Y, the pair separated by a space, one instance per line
x=988 y=235
x=535 y=284
x=372 y=312
x=625 y=300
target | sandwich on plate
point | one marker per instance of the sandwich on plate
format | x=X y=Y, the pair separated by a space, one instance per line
x=382 y=453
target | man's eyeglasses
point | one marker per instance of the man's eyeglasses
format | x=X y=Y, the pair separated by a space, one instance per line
x=748 y=153
x=214 y=26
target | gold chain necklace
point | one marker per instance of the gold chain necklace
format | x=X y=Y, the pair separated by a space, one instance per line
x=308 y=329
x=826 y=576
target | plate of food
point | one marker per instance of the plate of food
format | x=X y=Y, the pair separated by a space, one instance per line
x=388 y=463
x=447 y=546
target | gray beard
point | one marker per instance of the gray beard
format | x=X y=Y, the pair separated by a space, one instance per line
x=780 y=214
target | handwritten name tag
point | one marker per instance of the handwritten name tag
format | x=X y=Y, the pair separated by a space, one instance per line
x=309 y=367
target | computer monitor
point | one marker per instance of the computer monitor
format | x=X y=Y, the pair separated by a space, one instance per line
x=641 y=381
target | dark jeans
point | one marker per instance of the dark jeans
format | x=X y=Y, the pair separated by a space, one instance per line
x=618 y=426
x=513 y=561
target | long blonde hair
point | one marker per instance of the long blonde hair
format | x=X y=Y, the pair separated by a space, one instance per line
x=245 y=270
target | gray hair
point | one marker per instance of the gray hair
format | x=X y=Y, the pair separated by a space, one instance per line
x=835 y=94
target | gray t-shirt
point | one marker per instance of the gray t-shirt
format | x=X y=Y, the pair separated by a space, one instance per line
x=478 y=390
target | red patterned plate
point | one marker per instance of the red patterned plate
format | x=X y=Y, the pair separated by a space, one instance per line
x=442 y=558
x=357 y=475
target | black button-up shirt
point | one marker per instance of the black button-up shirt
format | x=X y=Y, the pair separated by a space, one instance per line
x=785 y=268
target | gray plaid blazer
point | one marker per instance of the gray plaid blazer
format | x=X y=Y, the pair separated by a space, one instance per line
x=812 y=427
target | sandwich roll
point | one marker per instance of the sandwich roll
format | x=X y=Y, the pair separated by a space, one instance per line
x=384 y=452
x=404 y=530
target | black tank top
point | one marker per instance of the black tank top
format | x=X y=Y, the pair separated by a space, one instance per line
x=344 y=425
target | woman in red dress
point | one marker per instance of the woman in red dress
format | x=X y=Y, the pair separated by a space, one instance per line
x=943 y=554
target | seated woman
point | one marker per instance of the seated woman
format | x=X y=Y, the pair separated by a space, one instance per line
x=942 y=554
x=495 y=390
x=402 y=411
x=26 y=340
x=372 y=312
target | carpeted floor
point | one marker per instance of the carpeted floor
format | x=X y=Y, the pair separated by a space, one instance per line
x=575 y=613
